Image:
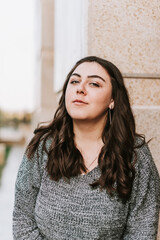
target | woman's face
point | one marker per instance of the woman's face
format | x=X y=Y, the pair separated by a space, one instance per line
x=89 y=92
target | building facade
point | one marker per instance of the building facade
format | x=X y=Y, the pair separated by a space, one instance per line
x=124 y=32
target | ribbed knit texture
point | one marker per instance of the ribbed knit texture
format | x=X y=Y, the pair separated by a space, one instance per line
x=49 y=210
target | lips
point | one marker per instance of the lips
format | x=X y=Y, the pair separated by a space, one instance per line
x=79 y=101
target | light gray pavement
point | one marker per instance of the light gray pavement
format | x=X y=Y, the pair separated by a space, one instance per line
x=7 y=191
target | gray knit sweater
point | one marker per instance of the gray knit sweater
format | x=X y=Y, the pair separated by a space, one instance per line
x=49 y=210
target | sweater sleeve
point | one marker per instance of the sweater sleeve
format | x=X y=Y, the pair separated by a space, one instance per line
x=142 y=222
x=26 y=190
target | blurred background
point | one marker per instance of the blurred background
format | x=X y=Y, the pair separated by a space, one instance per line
x=40 y=40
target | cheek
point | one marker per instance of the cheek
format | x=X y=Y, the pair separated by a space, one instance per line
x=69 y=92
x=104 y=98
x=102 y=102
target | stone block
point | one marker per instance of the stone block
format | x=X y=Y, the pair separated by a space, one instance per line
x=144 y=92
x=147 y=122
x=125 y=32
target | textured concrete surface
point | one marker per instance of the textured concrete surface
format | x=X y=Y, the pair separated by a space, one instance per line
x=127 y=33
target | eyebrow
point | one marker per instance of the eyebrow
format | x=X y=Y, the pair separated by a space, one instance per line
x=90 y=76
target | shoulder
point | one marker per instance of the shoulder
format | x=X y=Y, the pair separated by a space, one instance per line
x=146 y=183
x=39 y=156
x=43 y=149
x=144 y=157
x=146 y=170
x=44 y=144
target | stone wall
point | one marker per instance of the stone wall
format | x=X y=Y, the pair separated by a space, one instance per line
x=127 y=33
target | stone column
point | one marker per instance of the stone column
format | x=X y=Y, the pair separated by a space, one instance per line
x=127 y=33
x=48 y=101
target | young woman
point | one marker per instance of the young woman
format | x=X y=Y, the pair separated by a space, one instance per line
x=88 y=174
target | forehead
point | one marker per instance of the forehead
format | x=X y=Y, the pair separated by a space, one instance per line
x=91 y=68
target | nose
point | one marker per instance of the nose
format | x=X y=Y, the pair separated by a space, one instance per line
x=81 y=89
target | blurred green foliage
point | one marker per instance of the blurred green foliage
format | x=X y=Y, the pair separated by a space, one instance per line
x=14 y=119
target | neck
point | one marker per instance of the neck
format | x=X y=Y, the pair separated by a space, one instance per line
x=89 y=131
x=88 y=135
x=88 y=139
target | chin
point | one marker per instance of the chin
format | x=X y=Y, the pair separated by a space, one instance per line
x=79 y=118
x=78 y=115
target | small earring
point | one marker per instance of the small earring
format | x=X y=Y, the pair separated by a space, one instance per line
x=111 y=106
x=110 y=116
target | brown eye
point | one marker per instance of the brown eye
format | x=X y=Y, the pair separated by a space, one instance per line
x=74 y=81
x=95 y=84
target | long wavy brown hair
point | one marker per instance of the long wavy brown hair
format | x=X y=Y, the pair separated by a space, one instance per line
x=118 y=155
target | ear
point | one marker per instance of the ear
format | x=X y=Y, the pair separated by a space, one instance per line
x=111 y=105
